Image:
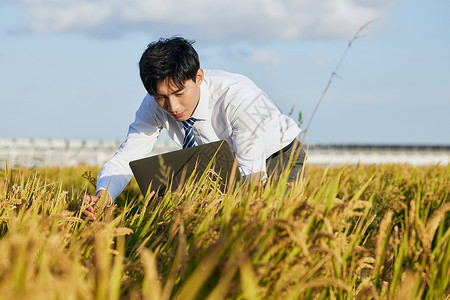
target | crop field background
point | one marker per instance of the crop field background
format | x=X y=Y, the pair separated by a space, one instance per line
x=364 y=232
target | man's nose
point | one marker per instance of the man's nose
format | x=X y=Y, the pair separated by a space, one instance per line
x=174 y=104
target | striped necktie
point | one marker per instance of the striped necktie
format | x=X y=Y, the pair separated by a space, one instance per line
x=189 y=140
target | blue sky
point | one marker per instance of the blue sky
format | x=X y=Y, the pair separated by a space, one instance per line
x=69 y=68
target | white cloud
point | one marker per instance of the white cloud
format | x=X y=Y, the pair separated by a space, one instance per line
x=250 y=20
x=265 y=57
x=70 y=16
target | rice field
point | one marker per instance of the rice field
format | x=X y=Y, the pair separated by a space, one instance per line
x=349 y=232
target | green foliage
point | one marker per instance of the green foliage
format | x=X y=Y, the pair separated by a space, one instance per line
x=300 y=119
x=345 y=232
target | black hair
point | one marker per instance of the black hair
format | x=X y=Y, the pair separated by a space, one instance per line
x=172 y=58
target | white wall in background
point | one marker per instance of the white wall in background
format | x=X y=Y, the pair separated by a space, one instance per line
x=46 y=153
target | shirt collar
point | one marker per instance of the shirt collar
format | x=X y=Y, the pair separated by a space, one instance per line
x=201 y=112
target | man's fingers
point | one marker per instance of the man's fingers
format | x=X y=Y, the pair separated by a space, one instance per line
x=88 y=214
x=88 y=199
x=89 y=205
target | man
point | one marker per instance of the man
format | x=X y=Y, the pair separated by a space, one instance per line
x=198 y=107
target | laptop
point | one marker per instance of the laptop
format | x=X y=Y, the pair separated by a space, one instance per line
x=171 y=170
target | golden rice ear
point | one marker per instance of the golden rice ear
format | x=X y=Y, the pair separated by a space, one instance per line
x=382 y=240
x=428 y=232
x=151 y=286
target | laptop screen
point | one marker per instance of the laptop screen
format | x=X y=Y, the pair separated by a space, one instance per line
x=171 y=170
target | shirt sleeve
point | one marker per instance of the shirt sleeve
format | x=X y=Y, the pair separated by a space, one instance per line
x=248 y=134
x=141 y=137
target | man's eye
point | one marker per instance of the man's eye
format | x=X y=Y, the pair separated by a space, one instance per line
x=179 y=94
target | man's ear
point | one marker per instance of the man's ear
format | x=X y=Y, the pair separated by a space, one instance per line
x=199 y=77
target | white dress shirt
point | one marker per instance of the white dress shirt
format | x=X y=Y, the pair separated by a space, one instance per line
x=231 y=108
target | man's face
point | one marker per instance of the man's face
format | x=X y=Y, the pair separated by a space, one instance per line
x=179 y=103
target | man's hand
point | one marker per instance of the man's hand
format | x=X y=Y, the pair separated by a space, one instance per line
x=91 y=204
